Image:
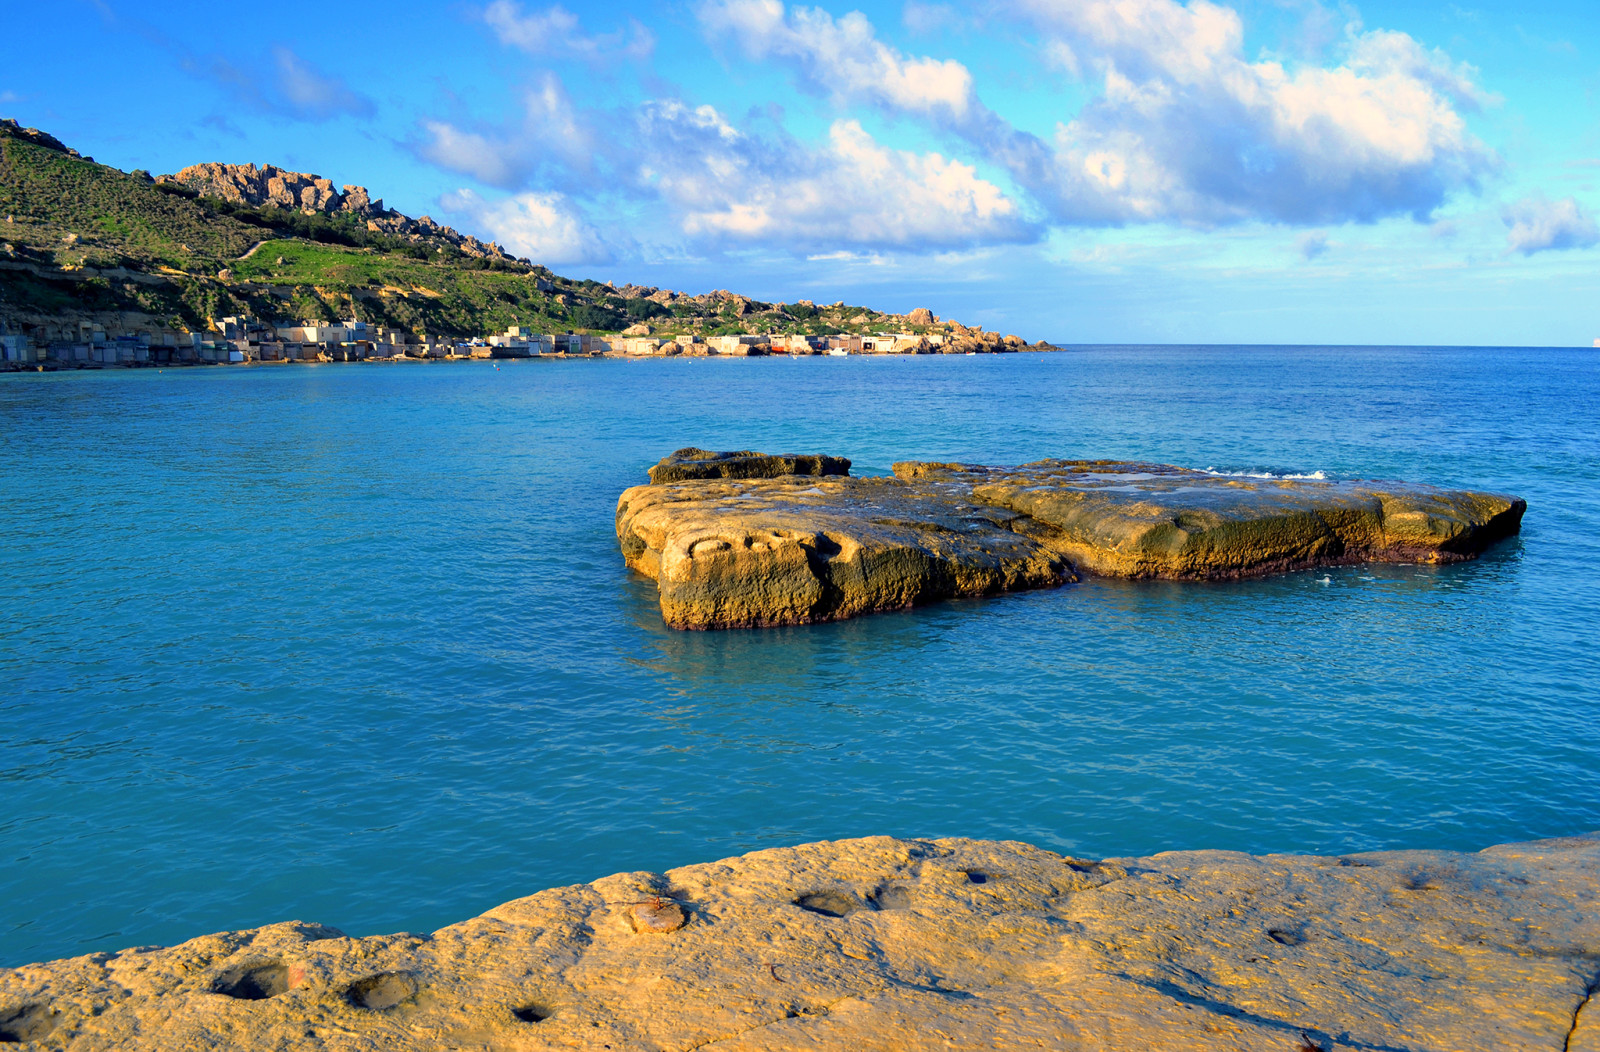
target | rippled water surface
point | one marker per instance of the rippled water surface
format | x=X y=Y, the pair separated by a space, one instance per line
x=354 y=644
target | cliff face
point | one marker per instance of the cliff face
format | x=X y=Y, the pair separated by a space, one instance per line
x=888 y=944
x=248 y=184
x=267 y=186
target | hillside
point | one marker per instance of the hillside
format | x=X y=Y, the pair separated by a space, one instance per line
x=83 y=241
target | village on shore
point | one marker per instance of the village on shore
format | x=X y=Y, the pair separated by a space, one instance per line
x=241 y=340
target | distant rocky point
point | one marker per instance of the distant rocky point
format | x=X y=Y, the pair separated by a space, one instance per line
x=743 y=540
x=886 y=945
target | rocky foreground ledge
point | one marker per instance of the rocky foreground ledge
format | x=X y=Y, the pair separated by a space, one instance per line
x=749 y=539
x=881 y=944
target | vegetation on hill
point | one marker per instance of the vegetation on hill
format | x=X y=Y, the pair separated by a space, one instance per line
x=81 y=238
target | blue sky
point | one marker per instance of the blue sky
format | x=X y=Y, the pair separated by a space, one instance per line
x=1079 y=170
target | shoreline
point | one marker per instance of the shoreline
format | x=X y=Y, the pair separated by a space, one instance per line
x=864 y=943
x=60 y=367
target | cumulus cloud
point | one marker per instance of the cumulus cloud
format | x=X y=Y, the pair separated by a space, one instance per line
x=557 y=31
x=723 y=187
x=841 y=58
x=544 y=227
x=851 y=191
x=1540 y=225
x=1187 y=129
x=1184 y=128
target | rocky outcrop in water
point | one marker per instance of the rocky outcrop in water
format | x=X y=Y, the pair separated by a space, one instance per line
x=767 y=547
x=695 y=463
x=888 y=944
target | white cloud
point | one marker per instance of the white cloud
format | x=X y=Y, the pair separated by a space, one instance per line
x=557 y=32
x=544 y=227
x=851 y=192
x=1540 y=225
x=841 y=58
x=550 y=138
x=1186 y=129
x=721 y=187
x=468 y=153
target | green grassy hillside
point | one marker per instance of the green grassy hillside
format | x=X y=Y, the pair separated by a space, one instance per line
x=80 y=238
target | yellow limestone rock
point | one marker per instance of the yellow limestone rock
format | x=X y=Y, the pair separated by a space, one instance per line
x=746 y=539
x=731 y=553
x=889 y=944
x=1124 y=519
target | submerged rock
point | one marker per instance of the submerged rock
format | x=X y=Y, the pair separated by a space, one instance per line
x=875 y=944
x=746 y=539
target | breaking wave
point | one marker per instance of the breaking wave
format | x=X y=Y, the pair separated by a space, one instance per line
x=1319 y=476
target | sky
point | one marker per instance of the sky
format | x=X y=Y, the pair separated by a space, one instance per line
x=1084 y=171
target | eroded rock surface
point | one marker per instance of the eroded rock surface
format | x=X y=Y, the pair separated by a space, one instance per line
x=1124 y=519
x=733 y=553
x=881 y=944
x=746 y=539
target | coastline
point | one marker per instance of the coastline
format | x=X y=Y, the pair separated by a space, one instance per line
x=57 y=366
x=877 y=942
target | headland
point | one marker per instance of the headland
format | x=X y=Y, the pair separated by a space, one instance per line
x=252 y=263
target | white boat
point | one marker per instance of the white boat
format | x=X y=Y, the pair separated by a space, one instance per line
x=838 y=352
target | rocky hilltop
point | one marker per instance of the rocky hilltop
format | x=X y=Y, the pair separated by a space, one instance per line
x=86 y=247
x=783 y=541
x=884 y=944
x=267 y=186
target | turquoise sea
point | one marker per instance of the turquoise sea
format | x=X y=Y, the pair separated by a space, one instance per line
x=354 y=644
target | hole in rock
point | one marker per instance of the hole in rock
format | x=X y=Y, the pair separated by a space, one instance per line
x=892 y=897
x=977 y=876
x=531 y=1013
x=381 y=991
x=1356 y=863
x=827 y=546
x=253 y=982
x=28 y=1023
x=828 y=903
x=1286 y=937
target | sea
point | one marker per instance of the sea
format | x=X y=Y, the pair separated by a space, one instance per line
x=354 y=644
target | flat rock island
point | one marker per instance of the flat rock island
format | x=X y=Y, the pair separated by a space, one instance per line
x=746 y=539
x=890 y=944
